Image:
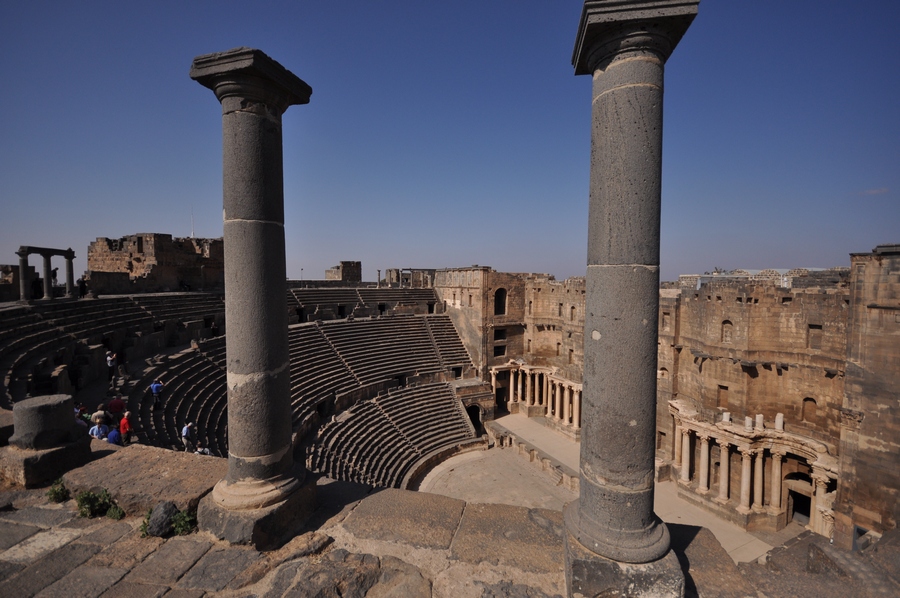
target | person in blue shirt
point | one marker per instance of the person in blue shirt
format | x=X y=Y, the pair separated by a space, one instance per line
x=114 y=437
x=99 y=431
x=186 y=437
x=156 y=388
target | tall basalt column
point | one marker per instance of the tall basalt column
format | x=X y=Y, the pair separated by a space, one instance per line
x=624 y=46
x=254 y=91
x=48 y=273
x=24 y=283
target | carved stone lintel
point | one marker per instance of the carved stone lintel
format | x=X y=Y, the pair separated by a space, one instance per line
x=851 y=418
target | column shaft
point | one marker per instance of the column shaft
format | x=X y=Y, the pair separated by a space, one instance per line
x=576 y=410
x=48 y=289
x=24 y=283
x=704 y=464
x=567 y=404
x=775 y=492
x=745 y=481
x=724 y=473
x=758 y=480
x=677 y=441
x=529 y=392
x=685 y=455
x=70 y=278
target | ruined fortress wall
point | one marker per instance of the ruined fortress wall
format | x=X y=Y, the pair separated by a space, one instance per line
x=870 y=433
x=462 y=292
x=554 y=318
x=155 y=262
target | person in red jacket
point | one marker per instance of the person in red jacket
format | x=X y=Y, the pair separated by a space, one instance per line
x=125 y=427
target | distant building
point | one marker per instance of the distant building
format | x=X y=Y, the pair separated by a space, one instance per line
x=345 y=272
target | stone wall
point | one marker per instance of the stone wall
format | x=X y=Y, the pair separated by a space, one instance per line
x=155 y=262
x=554 y=324
x=345 y=271
x=870 y=427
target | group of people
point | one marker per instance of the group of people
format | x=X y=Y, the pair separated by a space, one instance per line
x=111 y=423
x=115 y=367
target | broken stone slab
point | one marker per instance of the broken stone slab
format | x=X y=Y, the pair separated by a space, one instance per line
x=138 y=475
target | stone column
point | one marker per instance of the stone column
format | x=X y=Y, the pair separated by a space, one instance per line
x=704 y=464
x=576 y=410
x=677 y=439
x=685 y=455
x=624 y=47
x=70 y=275
x=546 y=392
x=744 y=507
x=724 y=473
x=24 y=283
x=521 y=382
x=529 y=391
x=263 y=498
x=775 y=491
x=48 y=289
x=512 y=386
x=758 y=461
x=820 y=482
x=567 y=404
x=494 y=384
x=558 y=398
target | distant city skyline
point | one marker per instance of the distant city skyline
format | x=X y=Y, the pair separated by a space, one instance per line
x=450 y=135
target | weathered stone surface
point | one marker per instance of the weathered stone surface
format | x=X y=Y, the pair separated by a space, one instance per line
x=527 y=539
x=8 y=569
x=107 y=533
x=301 y=546
x=127 y=552
x=38 y=545
x=13 y=533
x=137 y=476
x=170 y=561
x=127 y=589
x=423 y=520
x=706 y=564
x=42 y=517
x=506 y=589
x=83 y=582
x=338 y=575
x=218 y=567
x=44 y=422
x=47 y=570
x=160 y=523
x=31 y=468
x=399 y=579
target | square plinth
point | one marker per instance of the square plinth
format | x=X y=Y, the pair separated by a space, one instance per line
x=589 y=574
x=31 y=468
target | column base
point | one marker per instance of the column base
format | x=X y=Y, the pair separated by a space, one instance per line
x=743 y=510
x=720 y=500
x=264 y=528
x=589 y=574
x=32 y=468
x=702 y=490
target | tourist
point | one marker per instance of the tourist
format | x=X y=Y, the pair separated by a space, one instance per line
x=114 y=437
x=125 y=428
x=111 y=367
x=99 y=431
x=82 y=288
x=122 y=367
x=117 y=405
x=201 y=450
x=156 y=388
x=101 y=416
x=186 y=437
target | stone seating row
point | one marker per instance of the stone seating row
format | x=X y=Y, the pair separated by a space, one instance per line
x=380 y=439
x=449 y=346
x=181 y=307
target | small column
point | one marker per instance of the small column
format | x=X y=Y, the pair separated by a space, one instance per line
x=263 y=498
x=558 y=393
x=704 y=464
x=624 y=47
x=512 y=386
x=24 y=283
x=494 y=384
x=70 y=275
x=724 y=473
x=529 y=391
x=519 y=394
x=576 y=410
x=567 y=404
x=758 y=457
x=775 y=490
x=744 y=507
x=677 y=439
x=48 y=288
x=546 y=392
x=820 y=482
x=685 y=455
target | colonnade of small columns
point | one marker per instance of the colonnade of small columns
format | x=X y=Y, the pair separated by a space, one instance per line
x=560 y=398
x=754 y=454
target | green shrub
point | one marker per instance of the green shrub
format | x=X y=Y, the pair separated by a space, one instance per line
x=92 y=504
x=58 y=492
x=184 y=522
x=145 y=524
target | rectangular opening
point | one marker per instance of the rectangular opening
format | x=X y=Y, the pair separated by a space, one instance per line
x=342 y=311
x=500 y=334
x=499 y=350
x=786 y=300
x=431 y=307
x=457 y=372
x=722 y=396
x=814 y=337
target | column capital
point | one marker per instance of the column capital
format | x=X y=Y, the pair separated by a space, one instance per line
x=703 y=436
x=746 y=451
x=609 y=28
x=249 y=74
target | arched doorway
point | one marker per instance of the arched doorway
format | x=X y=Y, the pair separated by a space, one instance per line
x=799 y=497
x=474 y=413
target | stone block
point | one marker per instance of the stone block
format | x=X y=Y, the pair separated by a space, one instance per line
x=266 y=528
x=30 y=468
x=44 y=422
x=589 y=574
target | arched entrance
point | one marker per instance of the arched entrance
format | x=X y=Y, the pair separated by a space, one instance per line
x=799 y=497
x=474 y=413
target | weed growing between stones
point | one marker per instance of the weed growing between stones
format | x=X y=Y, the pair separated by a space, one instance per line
x=184 y=522
x=58 y=492
x=92 y=504
x=145 y=524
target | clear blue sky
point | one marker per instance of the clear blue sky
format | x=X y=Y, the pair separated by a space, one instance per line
x=447 y=134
